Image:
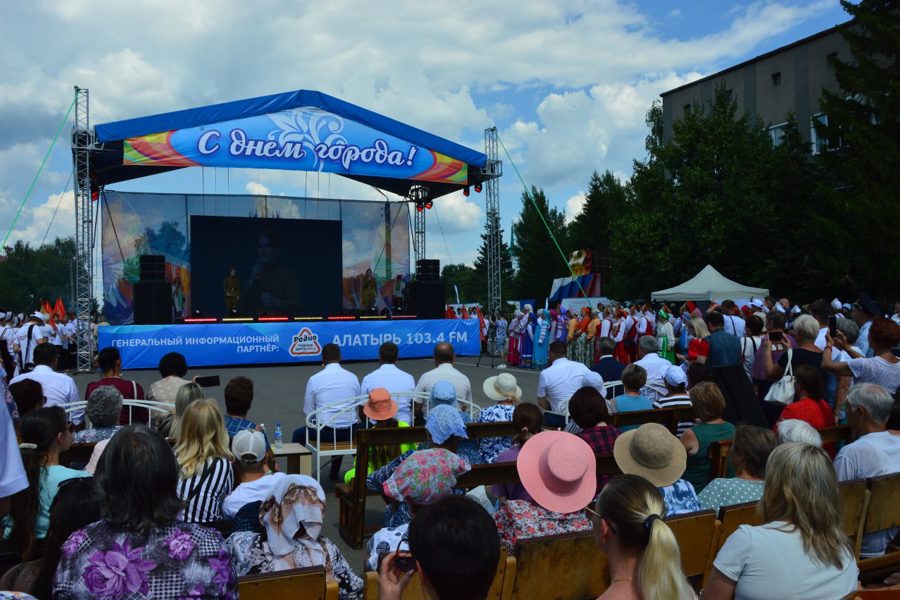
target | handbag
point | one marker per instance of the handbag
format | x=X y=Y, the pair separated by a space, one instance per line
x=782 y=391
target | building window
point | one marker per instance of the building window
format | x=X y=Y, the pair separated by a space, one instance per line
x=776 y=132
x=821 y=141
x=776 y=78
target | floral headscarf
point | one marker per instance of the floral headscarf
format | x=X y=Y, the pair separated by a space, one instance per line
x=295 y=500
x=444 y=422
x=426 y=476
x=442 y=392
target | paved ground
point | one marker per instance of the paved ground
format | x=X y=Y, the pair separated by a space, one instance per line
x=278 y=395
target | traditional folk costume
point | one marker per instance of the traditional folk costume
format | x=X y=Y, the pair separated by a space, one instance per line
x=621 y=331
x=513 y=350
x=542 y=340
x=583 y=347
x=526 y=337
x=571 y=329
x=593 y=331
x=665 y=337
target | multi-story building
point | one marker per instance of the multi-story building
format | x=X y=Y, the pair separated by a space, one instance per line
x=773 y=85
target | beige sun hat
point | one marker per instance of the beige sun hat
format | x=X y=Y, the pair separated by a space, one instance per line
x=652 y=452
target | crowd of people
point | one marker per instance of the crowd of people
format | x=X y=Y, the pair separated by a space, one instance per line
x=184 y=501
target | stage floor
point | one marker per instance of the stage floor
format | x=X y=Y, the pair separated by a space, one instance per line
x=274 y=343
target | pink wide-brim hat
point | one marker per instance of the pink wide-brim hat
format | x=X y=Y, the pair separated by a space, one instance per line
x=558 y=470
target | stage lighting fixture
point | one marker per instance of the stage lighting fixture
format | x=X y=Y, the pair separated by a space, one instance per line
x=420 y=207
x=477 y=188
x=197 y=312
x=429 y=204
x=466 y=191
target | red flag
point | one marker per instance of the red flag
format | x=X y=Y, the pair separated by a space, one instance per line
x=60 y=308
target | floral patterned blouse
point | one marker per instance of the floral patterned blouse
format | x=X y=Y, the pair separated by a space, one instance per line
x=182 y=560
x=490 y=448
x=251 y=555
x=95 y=434
x=520 y=519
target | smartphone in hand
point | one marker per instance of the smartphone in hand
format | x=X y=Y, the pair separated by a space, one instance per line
x=208 y=381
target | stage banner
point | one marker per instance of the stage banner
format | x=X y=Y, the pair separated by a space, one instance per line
x=219 y=344
x=298 y=139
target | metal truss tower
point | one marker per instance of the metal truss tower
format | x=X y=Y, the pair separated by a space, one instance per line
x=492 y=208
x=418 y=196
x=82 y=142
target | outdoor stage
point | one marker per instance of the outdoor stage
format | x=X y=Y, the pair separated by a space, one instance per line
x=271 y=343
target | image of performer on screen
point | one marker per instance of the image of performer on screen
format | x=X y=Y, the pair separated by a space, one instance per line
x=399 y=289
x=232 y=288
x=369 y=290
x=273 y=288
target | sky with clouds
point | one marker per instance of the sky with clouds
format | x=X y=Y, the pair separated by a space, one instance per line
x=567 y=83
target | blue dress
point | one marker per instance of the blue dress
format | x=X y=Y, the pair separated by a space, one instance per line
x=527 y=343
x=541 y=343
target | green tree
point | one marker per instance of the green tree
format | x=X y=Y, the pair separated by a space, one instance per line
x=480 y=276
x=863 y=124
x=539 y=260
x=462 y=277
x=29 y=275
x=592 y=227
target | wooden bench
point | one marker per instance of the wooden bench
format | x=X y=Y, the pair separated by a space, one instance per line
x=77 y=454
x=732 y=517
x=668 y=417
x=882 y=512
x=352 y=497
x=501 y=587
x=854 y=505
x=839 y=433
x=308 y=583
x=718 y=458
x=697 y=534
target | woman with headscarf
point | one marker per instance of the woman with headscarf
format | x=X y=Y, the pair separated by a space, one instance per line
x=583 y=347
x=621 y=330
x=423 y=478
x=592 y=334
x=446 y=429
x=542 y=339
x=665 y=336
x=292 y=516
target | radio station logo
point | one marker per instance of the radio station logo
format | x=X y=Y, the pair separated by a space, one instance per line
x=305 y=343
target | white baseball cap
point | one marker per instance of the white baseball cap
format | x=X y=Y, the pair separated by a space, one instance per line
x=249 y=446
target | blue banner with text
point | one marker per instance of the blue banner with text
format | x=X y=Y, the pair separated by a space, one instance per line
x=218 y=344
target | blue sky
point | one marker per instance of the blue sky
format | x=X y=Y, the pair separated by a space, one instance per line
x=567 y=83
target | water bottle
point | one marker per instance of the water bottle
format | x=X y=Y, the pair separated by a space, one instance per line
x=277 y=436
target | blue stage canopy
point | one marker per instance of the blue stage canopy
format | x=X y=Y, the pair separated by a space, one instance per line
x=301 y=130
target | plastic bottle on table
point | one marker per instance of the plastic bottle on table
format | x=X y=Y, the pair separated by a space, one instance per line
x=277 y=436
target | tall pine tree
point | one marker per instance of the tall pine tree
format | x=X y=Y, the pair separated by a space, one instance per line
x=539 y=260
x=864 y=121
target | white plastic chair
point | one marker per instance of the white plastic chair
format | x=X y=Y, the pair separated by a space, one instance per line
x=164 y=408
x=333 y=447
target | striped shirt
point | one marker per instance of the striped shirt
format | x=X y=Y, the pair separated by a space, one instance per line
x=671 y=401
x=204 y=494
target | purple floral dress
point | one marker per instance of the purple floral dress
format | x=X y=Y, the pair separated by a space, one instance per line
x=520 y=519
x=180 y=561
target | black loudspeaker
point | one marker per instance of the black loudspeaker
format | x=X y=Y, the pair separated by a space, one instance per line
x=426 y=299
x=152 y=303
x=428 y=269
x=153 y=267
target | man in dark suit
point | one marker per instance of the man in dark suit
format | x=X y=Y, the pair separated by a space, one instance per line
x=608 y=367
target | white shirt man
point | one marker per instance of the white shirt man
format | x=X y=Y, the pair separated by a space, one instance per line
x=329 y=392
x=656 y=367
x=445 y=371
x=58 y=388
x=25 y=347
x=391 y=378
x=561 y=379
x=12 y=473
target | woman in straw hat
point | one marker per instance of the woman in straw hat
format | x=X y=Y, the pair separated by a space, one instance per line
x=652 y=452
x=503 y=390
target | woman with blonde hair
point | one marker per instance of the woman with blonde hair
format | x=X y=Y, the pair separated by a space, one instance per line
x=186 y=394
x=204 y=459
x=642 y=554
x=698 y=347
x=801 y=551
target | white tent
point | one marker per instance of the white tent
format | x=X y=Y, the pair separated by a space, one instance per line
x=709 y=284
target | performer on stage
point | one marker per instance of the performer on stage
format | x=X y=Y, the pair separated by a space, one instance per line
x=514 y=325
x=526 y=335
x=501 y=335
x=273 y=288
x=620 y=331
x=399 y=288
x=232 y=288
x=369 y=291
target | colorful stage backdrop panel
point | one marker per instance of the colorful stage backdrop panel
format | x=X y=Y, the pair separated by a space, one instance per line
x=375 y=235
x=141 y=346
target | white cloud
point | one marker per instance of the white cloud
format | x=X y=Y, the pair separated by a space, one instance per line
x=457 y=214
x=574 y=205
x=55 y=217
x=257 y=189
